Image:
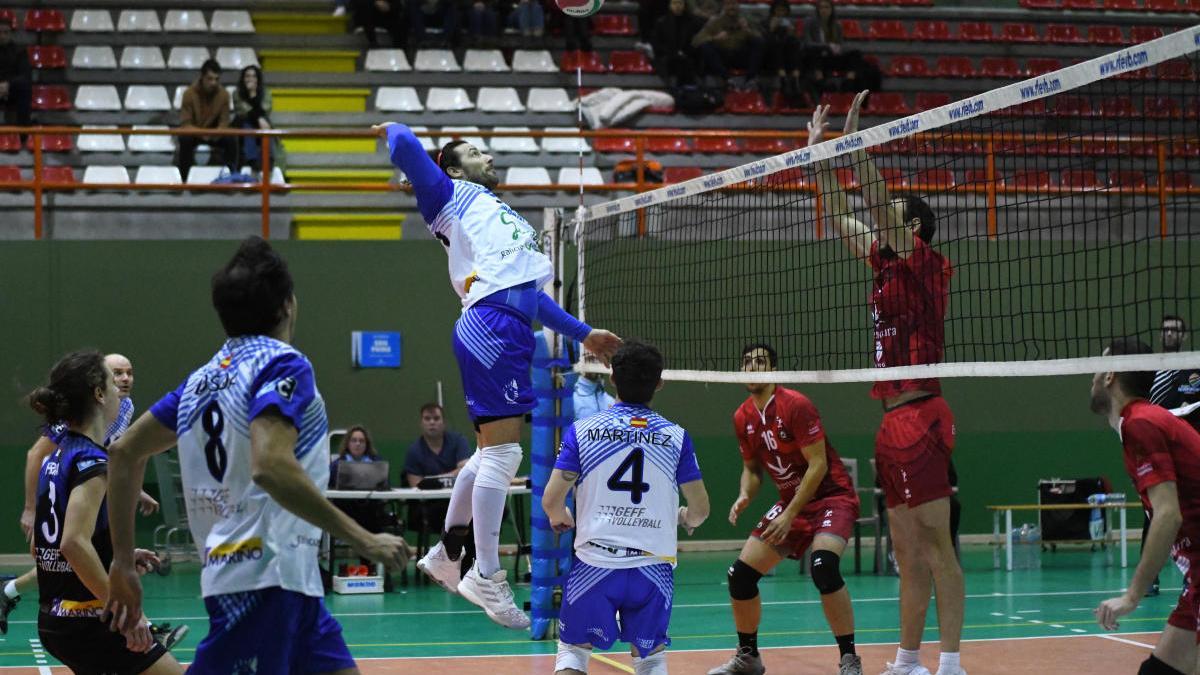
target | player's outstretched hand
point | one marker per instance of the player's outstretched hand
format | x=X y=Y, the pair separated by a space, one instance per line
x=388 y=549
x=145 y=561
x=739 y=505
x=855 y=109
x=146 y=505
x=819 y=125
x=1110 y=610
x=123 y=609
x=602 y=343
x=562 y=521
x=381 y=129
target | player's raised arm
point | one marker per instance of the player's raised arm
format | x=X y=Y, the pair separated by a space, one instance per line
x=431 y=186
x=854 y=233
x=888 y=217
x=1164 y=504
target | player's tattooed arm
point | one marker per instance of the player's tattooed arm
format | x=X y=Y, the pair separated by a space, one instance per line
x=554 y=499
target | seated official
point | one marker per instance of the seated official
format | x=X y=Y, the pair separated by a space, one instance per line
x=437 y=453
x=357 y=447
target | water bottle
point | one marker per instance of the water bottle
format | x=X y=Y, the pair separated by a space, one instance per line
x=1096 y=523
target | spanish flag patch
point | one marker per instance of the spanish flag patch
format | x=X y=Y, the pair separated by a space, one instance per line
x=226 y=361
x=639 y=422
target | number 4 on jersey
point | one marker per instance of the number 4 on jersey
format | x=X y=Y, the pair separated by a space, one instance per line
x=635 y=464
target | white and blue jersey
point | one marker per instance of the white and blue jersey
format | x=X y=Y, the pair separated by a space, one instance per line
x=58 y=431
x=630 y=461
x=246 y=540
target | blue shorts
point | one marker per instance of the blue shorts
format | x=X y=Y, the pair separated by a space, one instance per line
x=494 y=348
x=283 y=632
x=594 y=596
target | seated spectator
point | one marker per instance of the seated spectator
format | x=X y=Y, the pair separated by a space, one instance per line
x=371 y=15
x=528 y=17
x=252 y=110
x=357 y=447
x=785 y=52
x=434 y=12
x=483 y=21
x=729 y=41
x=649 y=12
x=671 y=41
x=16 y=88
x=589 y=395
x=206 y=106
x=832 y=67
x=437 y=452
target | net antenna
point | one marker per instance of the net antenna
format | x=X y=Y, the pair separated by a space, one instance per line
x=1067 y=204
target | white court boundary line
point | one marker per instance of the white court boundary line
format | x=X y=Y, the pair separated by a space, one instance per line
x=1129 y=59
x=1127 y=642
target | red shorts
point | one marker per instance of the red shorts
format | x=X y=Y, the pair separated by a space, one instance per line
x=1188 y=608
x=833 y=515
x=912 y=452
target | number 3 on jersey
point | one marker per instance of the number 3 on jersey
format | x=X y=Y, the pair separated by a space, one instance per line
x=215 y=454
x=635 y=465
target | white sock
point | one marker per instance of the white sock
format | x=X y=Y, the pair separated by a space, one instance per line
x=908 y=658
x=487 y=509
x=10 y=590
x=458 y=513
x=948 y=661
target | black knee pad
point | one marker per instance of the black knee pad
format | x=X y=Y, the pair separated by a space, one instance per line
x=743 y=581
x=1153 y=666
x=826 y=572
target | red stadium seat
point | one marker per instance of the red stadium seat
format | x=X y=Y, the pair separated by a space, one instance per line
x=929 y=101
x=1106 y=35
x=1185 y=149
x=1180 y=180
x=1175 y=69
x=1121 y=5
x=1080 y=179
x=789 y=178
x=851 y=30
x=1035 y=67
x=894 y=178
x=936 y=179
x=1161 y=108
x=932 y=31
x=10 y=143
x=614 y=144
x=47 y=57
x=669 y=145
x=954 y=147
x=51 y=97
x=786 y=105
x=1126 y=179
x=718 y=144
x=1079 y=4
x=10 y=174
x=1039 y=4
x=1117 y=106
x=846 y=177
x=590 y=62
x=629 y=62
x=1034 y=108
x=979 y=177
x=614 y=24
x=45 y=21
x=839 y=103
x=1139 y=34
x=1031 y=180
x=746 y=103
x=1019 y=32
x=999 y=67
x=58 y=174
x=888 y=103
x=768 y=146
x=10 y=17
x=886 y=30
x=908 y=66
x=975 y=31
x=1071 y=106
x=1064 y=34
x=1162 y=5
x=54 y=143
x=954 y=66
x=1189 y=5
x=678 y=174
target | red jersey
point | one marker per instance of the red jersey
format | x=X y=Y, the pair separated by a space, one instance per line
x=908 y=306
x=1160 y=447
x=775 y=437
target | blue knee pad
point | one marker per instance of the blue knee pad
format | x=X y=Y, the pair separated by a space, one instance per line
x=826 y=572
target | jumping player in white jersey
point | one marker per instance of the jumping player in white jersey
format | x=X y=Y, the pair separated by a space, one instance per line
x=628 y=465
x=498 y=269
x=254 y=457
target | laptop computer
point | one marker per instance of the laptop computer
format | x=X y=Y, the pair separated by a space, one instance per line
x=362 y=476
x=436 y=483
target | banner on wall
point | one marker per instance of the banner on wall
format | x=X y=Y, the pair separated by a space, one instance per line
x=375 y=349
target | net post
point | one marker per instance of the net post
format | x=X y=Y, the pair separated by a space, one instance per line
x=1161 y=154
x=990 y=150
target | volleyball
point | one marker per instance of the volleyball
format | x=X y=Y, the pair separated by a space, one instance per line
x=579 y=8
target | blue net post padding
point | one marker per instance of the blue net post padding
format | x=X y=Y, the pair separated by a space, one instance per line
x=551 y=555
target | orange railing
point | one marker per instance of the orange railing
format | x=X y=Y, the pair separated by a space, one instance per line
x=988 y=143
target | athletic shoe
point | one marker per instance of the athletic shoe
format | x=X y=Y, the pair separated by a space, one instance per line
x=6 y=605
x=166 y=636
x=741 y=663
x=850 y=665
x=957 y=670
x=494 y=596
x=438 y=566
x=893 y=669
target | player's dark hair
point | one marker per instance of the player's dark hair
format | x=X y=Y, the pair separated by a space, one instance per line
x=448 y=157
x=250 y=291
x=1134 y=382
x=345 y=447
x=1172 y=317
x=764 y=346
x=68 y=396
x=915 y=207
x=430 y=407
x=636 y=370
x=210 y=66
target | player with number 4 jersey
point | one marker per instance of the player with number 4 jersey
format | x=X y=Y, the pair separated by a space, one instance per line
x=628 y=465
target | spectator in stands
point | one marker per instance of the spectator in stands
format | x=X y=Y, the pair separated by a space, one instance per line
x=828 y=57
x=372 y=15
x=206 y=106
x=649 y=12
x=528 y=17
x=252 y=110
x=785 y=52
x=16 y=89
x=437 y=452
x=434 y=12
x=729 y=41
x=483 y=22
x=674 y=56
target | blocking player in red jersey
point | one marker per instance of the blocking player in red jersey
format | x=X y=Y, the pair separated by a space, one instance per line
x=916 y=437
x=1162 y=457
x=779 y=429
